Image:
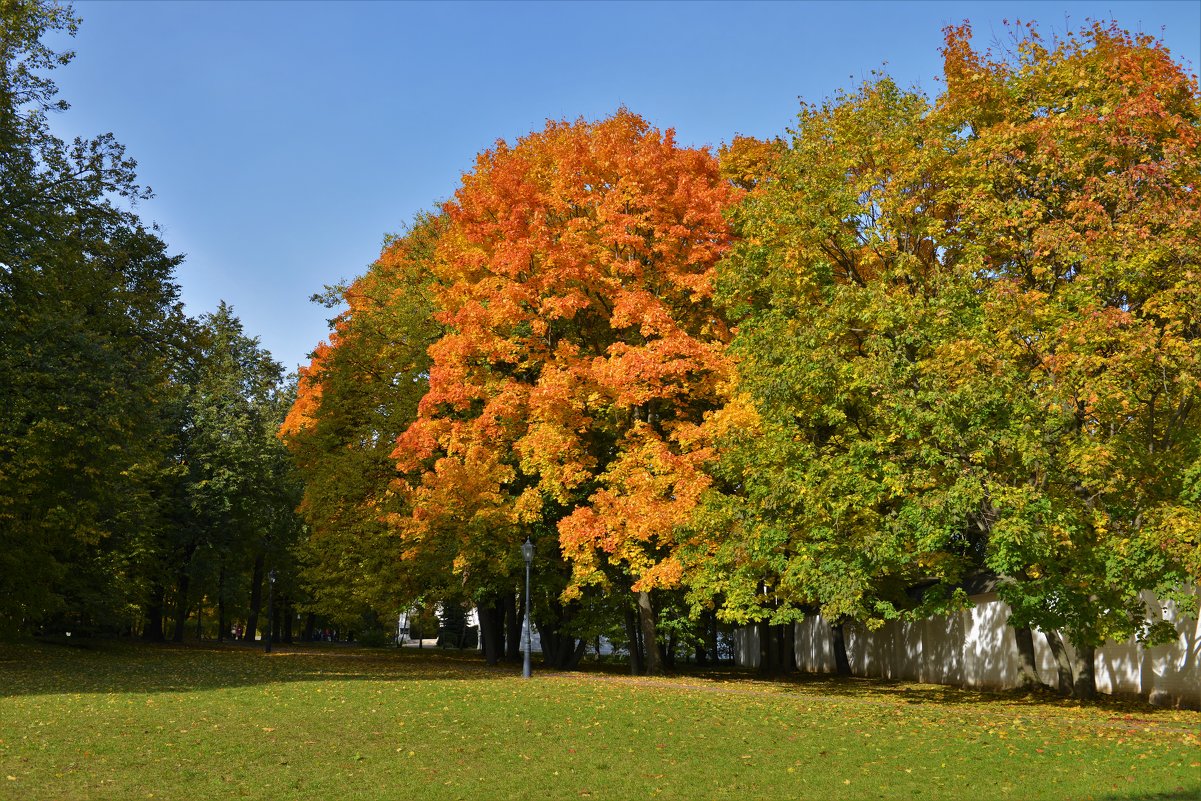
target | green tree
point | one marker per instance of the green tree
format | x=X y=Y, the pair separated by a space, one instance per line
x=90 y=327
x=967 y=339
x=233 y=518
x=358 y=394
x=1074 y=179
x=836 y=496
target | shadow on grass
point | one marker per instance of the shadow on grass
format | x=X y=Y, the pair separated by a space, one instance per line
x=108 y=666
x=919 y=693
x=889 y=691
x=913 y=693
x=1179 y=794
x=123 y=666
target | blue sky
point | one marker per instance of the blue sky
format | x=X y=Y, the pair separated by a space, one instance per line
x=285 y=139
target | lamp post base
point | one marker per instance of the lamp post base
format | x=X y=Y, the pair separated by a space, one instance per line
x=525 y=668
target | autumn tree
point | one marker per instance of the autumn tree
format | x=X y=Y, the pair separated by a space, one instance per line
x=1074 y=176
x=581 y=353
x=836 y=499
x=358 y=394
x=967 y=340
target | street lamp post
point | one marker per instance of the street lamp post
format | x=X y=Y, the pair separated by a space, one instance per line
x=527 y=550
x=270 y=610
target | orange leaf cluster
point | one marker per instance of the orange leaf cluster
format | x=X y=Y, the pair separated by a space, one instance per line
x=575 y=283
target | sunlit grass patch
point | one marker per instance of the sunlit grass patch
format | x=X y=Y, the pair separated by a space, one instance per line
x=125 y=722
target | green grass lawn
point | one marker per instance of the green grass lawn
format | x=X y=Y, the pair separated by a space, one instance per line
x=134 y=722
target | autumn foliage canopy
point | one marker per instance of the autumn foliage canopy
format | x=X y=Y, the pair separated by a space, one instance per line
x=580 y=354
x=919 y=340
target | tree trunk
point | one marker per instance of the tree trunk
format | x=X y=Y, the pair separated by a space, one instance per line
x=701 y=654
x=561 y=646
x=289 y=618
x=768 y=652
x=635 y=651
x=788 y=647
x=1063 y=666
x=1085 y=685
x=565 y=648
x=500 y=611
x=838 y=638
x=222 y=621
x=556 y=646
x=153 y=631
x=256 y=599
x=669 y=653
x=310 y=623
x=577 y=654
x=181 y=606
x=548 y=638
x=489 y=632
x=646 y=617
x=514 y=616
x=638 y=644
x=1027 y=664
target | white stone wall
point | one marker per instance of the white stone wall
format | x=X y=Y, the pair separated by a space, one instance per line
x=976 y=648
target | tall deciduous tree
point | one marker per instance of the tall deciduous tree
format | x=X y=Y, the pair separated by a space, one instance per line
x=90 y=326
x=1074 y=176
x=581 y=352
x=358 y=394
x=968 y=338
x=837 y=499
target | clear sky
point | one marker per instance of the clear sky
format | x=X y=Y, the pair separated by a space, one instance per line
x=285 y=139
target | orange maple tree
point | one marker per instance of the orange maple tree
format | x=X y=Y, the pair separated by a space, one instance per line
x=581 y=353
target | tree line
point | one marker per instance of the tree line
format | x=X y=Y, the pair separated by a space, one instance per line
x=909 y=344
x=915 y=341
x=141 y=485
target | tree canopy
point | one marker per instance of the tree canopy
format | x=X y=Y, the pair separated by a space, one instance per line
x=967 y=340
x=130 y=435
x=920 y=341
x=916 y=342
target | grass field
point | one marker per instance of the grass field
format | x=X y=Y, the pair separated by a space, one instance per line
x=134 y=722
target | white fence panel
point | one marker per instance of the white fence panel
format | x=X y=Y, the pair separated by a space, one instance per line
x=976 y=648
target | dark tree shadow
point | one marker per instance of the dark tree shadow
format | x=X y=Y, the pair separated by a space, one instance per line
x=123 y=666
x=1192 y=793
x=1125 y=711
x=116 y=666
